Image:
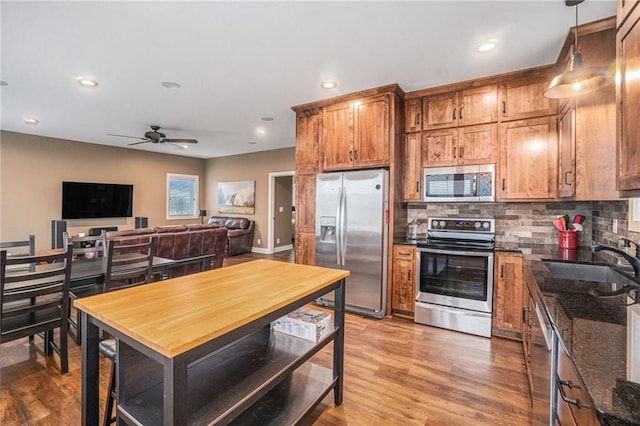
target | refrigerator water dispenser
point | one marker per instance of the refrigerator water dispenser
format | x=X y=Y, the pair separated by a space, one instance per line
x=328 y=229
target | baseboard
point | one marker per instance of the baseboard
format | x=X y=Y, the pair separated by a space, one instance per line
x=283 y=248
x=259 y=250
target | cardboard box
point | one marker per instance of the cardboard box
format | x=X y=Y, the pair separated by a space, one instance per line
x=305 y=323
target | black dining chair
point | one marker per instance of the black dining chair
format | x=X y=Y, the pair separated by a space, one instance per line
x=34 y=299
x=127 y=265
x=20 y=248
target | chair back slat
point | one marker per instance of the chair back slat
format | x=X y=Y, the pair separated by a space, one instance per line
x=29 y=244
x=128 y=265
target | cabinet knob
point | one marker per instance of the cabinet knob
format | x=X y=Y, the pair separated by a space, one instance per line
x=504 y=107
x=418 y=186
x=567 y=180
x=502 y=271
x=454 y=113
x=460 y=113
x=454 y=152
x=417 y=120
x=355 y=154
x=461 y=152
x=350 y=155
x=503 y=184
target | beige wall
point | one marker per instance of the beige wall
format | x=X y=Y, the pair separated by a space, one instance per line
x=32 y=169
x=255 y=166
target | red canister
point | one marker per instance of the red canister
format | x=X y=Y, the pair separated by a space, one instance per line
x=568 y=239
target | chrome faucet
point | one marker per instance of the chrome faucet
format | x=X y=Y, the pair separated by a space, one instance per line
x=634 y=261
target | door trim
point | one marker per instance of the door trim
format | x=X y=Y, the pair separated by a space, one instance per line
x=272 y=208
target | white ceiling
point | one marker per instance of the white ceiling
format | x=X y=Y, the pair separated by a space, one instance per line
x=237 y=62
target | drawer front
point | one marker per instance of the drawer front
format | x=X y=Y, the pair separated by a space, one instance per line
x=572 y=392
x=404 y=252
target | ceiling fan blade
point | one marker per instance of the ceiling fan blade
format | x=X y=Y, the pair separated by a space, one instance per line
x=142 y=141
x=180 y=140
x=125 y=136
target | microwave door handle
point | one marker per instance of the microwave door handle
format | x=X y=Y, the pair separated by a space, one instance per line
x=475 y=185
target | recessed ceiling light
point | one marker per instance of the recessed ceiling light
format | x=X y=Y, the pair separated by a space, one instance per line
x=31 y=120
x=3 y=83
x=487 y=46
x=184 y=146
x=267 y=119
x=260 y=131
x=88 y=82
x=328 y=84
x=170 y=84
x=252 y=143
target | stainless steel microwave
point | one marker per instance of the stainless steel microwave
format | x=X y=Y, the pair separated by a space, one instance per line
x=460 y=183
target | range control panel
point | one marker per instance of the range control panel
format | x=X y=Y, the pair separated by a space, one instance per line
x=472 y=225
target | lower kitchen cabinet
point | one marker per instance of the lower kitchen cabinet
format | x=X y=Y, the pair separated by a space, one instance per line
x=404 y=277
x=508 y=290
x=572 y=393
x=305 y=248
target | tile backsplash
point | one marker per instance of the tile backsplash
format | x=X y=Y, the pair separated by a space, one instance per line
x=531 y=223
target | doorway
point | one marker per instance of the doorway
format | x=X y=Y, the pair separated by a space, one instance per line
x=280 y=232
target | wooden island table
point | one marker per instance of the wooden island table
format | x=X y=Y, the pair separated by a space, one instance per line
x=199 y=349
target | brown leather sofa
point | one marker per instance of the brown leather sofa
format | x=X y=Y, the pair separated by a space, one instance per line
x=239 y=235
x=179 y=243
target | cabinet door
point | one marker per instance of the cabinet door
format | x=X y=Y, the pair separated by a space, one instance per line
x=403 y=293
x=522 y=99
x=478 y=144
x=411 y=167
x=413 y=115
x=305 y=203
x=508 y=294
x=337 y=130
x=440 y=111
x=439 y=148
x=478 y=106
x=528 y=159
x=305 y=248
x=628 y=101
x=624 y=8
x=566 y=151
x=308 y=139
x=371 y=139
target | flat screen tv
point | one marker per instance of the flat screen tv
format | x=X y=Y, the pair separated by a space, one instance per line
x=85 y=200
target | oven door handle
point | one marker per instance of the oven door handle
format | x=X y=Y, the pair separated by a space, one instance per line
x=457 y=311
x=457 y=252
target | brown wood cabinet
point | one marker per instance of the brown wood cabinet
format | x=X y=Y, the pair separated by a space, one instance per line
x=412 y=167
x=571 y=391
x=625 y=7
x=465 y=145
x=508 y=296
x=528 y=159
x=356 y=134
x=566 y=151
x=308 y=136
x=461 y=108
x=305 y=203
x=403 y=293
x=628 y=101
x=521 y=99
x=413 y=115
x=305 y=248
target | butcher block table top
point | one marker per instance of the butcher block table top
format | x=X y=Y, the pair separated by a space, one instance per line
x=173 y=316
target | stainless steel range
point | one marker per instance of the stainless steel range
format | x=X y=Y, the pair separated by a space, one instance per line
x=455 y=275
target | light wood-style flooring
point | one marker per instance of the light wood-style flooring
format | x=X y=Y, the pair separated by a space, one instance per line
x=396 y=373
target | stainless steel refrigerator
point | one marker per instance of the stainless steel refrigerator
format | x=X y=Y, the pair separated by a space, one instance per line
x=351 y=233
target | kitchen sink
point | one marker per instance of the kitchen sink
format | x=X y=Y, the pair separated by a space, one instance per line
x=587 y=272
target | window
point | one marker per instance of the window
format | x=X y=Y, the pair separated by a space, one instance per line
x=182 y=196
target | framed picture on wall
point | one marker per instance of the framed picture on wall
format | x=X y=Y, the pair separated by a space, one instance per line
x=237 y=197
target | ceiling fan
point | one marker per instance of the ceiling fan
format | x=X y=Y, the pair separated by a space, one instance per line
x=154 y=136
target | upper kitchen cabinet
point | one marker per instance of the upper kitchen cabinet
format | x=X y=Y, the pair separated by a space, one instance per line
x=413 y=115
x=521 y=99
x=528 y=159
x=628 y=102
x=460 y=108
x=356 y=134
x=566 y=151
x=411 y=167
x=308 y=136
x=466 y=145
x=625 y=7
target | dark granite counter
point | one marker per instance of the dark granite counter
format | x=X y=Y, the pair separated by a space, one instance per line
x=592 y=329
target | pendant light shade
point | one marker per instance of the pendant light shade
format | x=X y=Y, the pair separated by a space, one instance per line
x=578 y=80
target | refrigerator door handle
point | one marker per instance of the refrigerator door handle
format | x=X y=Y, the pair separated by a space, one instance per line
x=338 y=229
x=343 y=226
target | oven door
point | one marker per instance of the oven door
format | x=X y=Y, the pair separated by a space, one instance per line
x=456 y=278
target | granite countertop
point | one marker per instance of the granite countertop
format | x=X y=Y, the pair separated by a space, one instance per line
x=592 y=329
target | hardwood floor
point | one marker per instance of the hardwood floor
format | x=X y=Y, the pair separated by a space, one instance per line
x=396 y=373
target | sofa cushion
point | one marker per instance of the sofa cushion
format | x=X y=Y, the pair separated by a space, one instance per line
x=170 y=228
x=235 y=232
x=237 y=223
x=199 y=227
x=128 y=232
x=217 y=220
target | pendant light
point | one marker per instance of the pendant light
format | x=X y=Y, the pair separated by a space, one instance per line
x=578 y=80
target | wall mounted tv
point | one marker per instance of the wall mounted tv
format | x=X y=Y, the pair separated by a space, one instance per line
x=85 y=200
